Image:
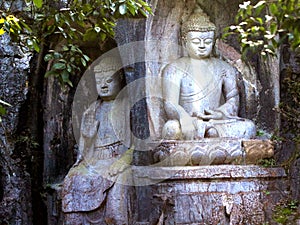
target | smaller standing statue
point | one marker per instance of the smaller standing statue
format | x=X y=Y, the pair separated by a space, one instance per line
x=92 y=191
x=200 y=91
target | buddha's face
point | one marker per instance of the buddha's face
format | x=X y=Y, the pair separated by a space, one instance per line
x=108 y=85
x=199 y=44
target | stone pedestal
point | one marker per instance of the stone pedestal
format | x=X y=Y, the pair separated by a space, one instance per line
x=220 y=194
x=211 y=151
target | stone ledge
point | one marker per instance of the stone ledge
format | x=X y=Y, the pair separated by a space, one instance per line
x=208 y=172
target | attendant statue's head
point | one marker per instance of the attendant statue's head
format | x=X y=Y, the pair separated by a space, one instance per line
x=109 y=78
x=198 y=35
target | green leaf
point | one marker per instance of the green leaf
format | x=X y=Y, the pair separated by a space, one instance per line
x=74 y=48
x=273 y=9
x=102 y=36
x=143 y=12
x=48 y=57
x=65 y=76
x=65 y=48
x=57 y=55
x=131 y=9
x=35 y=45
x=69 y=83
x=96 y=13
x=273 y=28
x=62 y=61
x=86 y=58
x=260 y=20
x=87 y=7
x=50 y=30
x=249 y=10
x=25 y=26
x=69 y=68
x=67 y=23
x=274 y=43
x=2 y=111
x=51 y=73
x=58 y=66
x=38 y=3
x=83 y=62
x=90 y=35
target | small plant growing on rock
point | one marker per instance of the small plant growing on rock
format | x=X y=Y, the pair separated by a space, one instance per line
x=2 y=108
x=285 y=212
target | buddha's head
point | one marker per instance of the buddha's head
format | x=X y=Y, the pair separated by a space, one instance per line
x=109 y=78
x=198 y=35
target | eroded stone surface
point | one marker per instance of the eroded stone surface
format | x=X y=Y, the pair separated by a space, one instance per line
x=255 y=150
x=226 y=194
x=15 y=177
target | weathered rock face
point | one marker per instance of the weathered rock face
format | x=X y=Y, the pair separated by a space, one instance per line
x=288 y=154
x=15 y=178
x=58 y=143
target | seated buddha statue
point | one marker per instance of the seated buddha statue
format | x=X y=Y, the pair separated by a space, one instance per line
x=200 y=92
